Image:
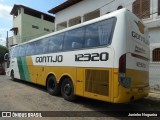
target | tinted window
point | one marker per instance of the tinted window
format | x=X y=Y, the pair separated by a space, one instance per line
x=42 y=46
x=55 y=43
x=15 y=52
x=28 y=50
x=39 y=47
x=74 y=39
x=99 y=33
x=22 y=50
x=11 y=52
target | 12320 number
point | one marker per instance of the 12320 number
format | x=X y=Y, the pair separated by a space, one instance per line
x=92 y=57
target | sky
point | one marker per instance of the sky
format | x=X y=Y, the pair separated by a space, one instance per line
x=7 y=5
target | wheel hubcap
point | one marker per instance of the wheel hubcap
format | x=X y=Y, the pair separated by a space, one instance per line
x=52 y=85
x=67 y=89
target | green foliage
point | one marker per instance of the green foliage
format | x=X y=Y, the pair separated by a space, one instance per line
x=3 y=51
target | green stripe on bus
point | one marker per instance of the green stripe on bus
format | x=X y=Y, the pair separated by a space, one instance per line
x=20 y=67
x=23 y=69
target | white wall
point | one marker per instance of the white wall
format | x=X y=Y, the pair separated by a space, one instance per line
x=114 y=5
x=79 y=9
x=154 y=9
x=86 y=6
x=154 y=34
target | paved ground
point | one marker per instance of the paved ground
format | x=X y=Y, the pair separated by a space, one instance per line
x=23 y=96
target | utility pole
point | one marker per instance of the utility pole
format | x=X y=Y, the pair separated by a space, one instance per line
x=7 y=40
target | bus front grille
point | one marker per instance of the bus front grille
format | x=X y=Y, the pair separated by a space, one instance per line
x=97 y=81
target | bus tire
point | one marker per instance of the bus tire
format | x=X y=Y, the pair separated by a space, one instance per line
x=12 y=76
x=52 y=86
x=67 y=90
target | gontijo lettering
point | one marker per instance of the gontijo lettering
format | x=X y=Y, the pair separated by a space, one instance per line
x=139 y=37
x=49 y=59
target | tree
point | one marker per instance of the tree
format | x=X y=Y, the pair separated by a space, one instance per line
x=3 y=51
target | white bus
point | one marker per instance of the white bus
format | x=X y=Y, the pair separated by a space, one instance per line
x=106 y=58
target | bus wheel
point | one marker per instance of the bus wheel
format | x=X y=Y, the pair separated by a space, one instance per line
x=52 y=86
x=67 y=90
x=12 y=76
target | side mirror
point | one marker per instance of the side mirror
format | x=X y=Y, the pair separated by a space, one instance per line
x=6 y=56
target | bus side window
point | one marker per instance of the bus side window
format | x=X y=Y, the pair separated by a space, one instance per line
x=55 y=43
x=44 y=45
x=28 y=50
x=76 y=45
x=105 y=31
x=15 y=51
x=74 y=39
x=59 y=41
x=20 y=50
x=100 y=33
x=52 y=45
x=92 y=36
x=39 y=47
x=32 y=46
x=10 y=53
x=91 y=43
x=24 y=48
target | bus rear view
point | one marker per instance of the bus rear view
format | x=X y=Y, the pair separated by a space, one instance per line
x=133 y=54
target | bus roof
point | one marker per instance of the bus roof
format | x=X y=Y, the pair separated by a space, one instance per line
x=109 y=15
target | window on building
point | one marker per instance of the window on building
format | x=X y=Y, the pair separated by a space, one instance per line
x=120 y=7
x=46 y=29
x=15 y=14
x=15 y=30
x=158 y=7
x=91 y=15
x=75 y=21
x=141 y=8
x=34 y=26
x=31 y=13
x=61 y=26
x=108 y=12
x=48 y=18
x=156 y=55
